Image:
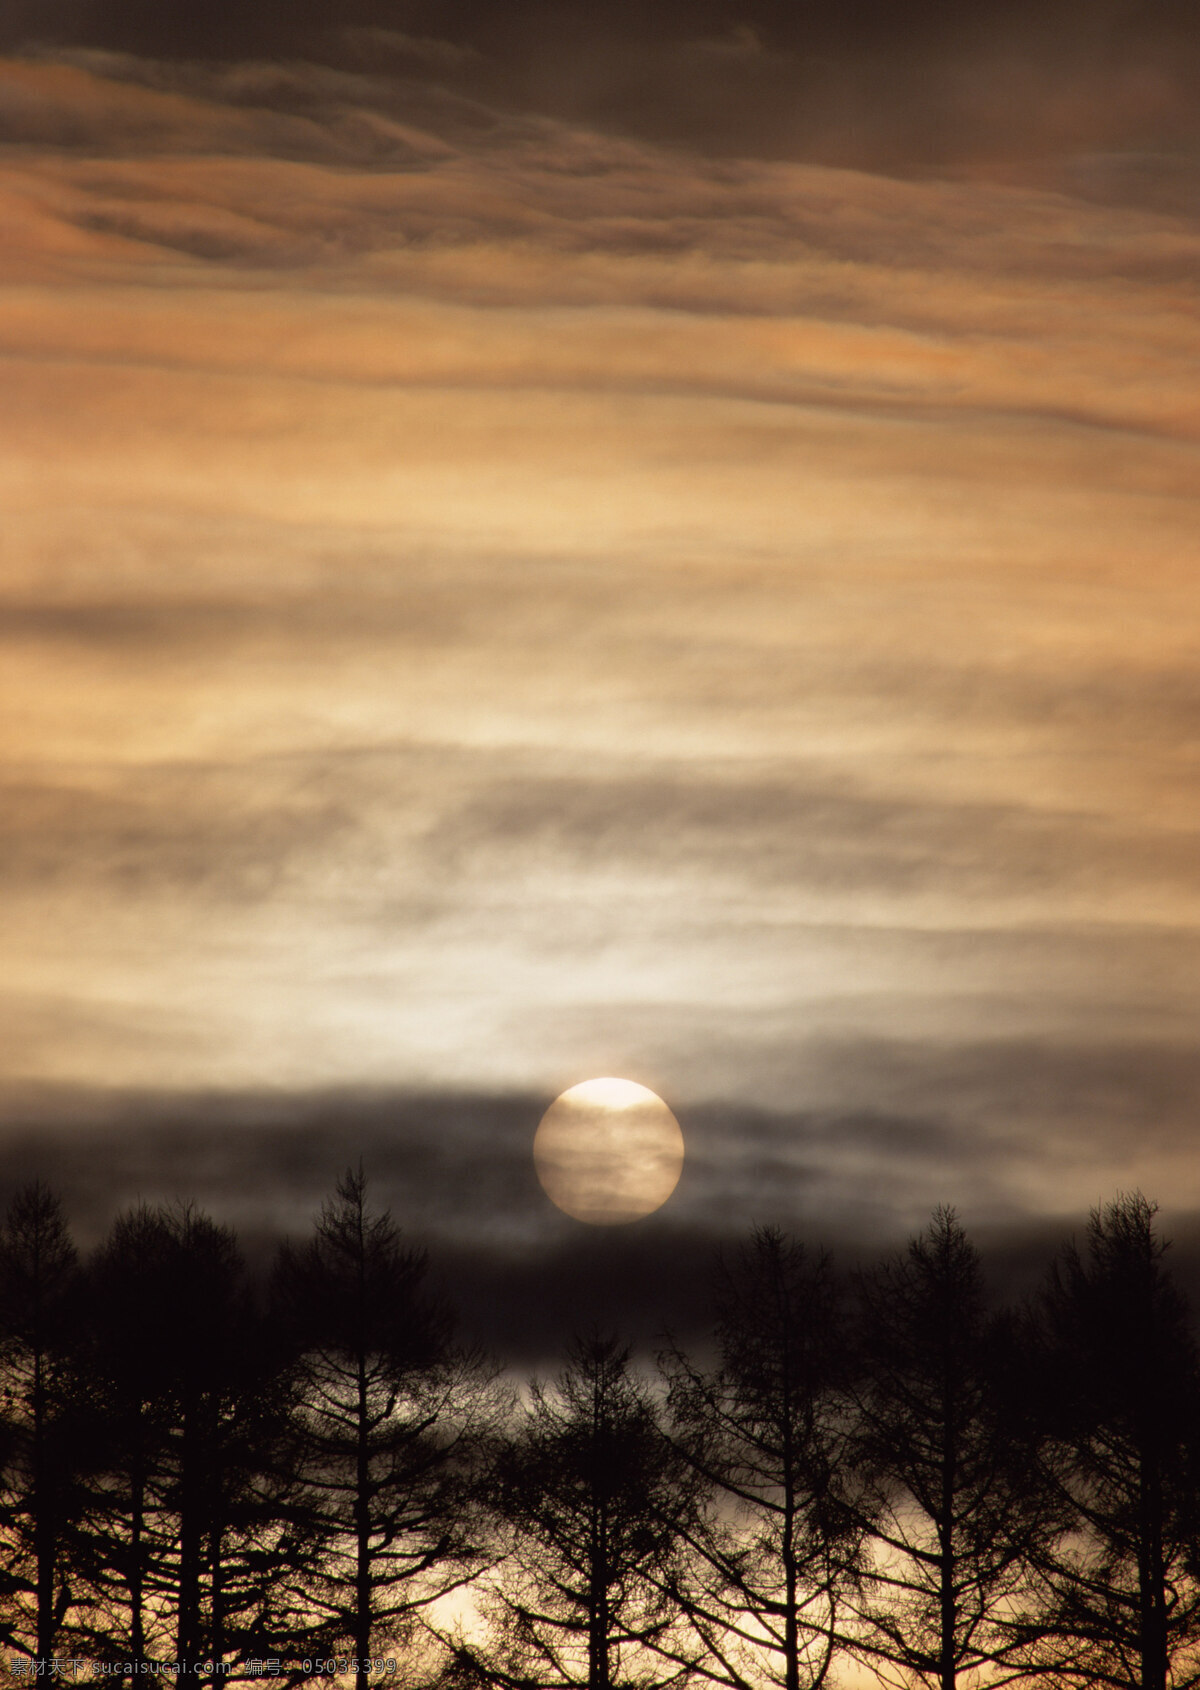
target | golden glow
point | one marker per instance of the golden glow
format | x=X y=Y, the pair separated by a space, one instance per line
x=448 y=637
x=608 y=1151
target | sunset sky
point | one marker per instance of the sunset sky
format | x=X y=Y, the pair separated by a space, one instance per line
x=657 y=541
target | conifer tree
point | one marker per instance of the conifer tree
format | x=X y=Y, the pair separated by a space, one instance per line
x=40 y=1500
x=774 y=1541
x=1119 y=1393
x=189 y=1513
x=586 y=1493
x=956 y=1517
x=388 y=1417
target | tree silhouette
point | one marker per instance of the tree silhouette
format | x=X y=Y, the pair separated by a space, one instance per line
x=585 y=1493
x=1119 y=1394
x=775 y=1541
x=130 y=1311
x=188 y=1524
x=40 y=1500
x=388 y=1416
x=947 y=1493
x=956 y=1514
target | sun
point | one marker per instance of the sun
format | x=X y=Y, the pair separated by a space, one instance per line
x=608 y=1151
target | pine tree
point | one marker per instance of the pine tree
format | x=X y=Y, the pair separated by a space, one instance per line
x=388 y=1417
x=1119 y=1393
x=957 y=1516
x=774 y=1544
x=40 y=1502
x=585 y=1493
x=188 y=1511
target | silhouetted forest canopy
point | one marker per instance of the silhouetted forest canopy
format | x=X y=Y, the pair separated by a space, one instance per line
x=881 y=1475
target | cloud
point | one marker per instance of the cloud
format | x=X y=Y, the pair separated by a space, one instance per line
x=203 y=833
x=902 y=88
x=813 y=833
x=371 y=45
x=534 y=254
x=456 y=1172
x=495 y=593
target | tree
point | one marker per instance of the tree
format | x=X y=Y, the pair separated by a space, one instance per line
x=226 y=1489
x=189 y=1512
x=39 y=1276
x=956 y=1515
x=129 y=1313
x=585 y=1493
x=775 y=1538
x=388 y=1416
x=1120 y=1398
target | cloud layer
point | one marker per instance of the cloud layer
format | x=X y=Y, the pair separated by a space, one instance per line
x=901 y=85
x=491 y=598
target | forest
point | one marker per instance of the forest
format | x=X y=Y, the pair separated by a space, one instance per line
x=887 y=1475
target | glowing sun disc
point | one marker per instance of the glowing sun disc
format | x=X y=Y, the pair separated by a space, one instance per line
x=608 y=1151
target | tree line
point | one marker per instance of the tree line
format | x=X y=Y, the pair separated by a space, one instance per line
x=882 y=1471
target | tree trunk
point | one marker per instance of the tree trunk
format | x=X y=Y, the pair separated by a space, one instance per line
x=362 y=1531
x=947 y=1664
x=188 y=1642
x=137 y=1582
x=599 y=1670
x=1152 y=1600
x=43 y=1517
x=791 y=1628
x=217 y=1618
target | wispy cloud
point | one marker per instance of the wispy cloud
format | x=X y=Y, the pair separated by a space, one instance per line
x=490 y=597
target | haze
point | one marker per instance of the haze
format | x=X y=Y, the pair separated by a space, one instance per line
x=539 y=546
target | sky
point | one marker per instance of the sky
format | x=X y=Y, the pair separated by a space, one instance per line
x=555 y=541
